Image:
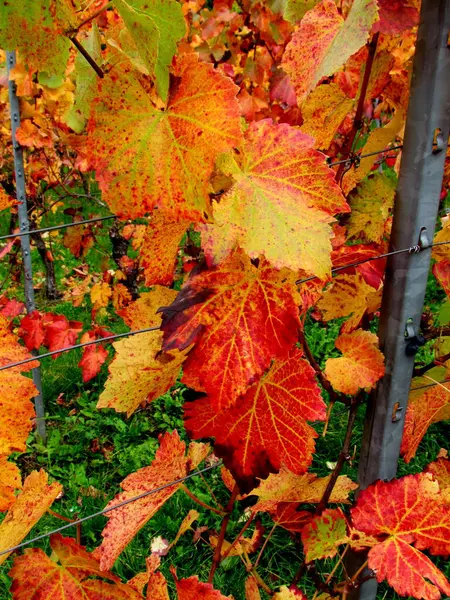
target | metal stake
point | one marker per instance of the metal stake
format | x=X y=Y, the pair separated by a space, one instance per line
x=24 y=239
x=415 y=214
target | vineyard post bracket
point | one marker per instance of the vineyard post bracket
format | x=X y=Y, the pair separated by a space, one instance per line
x=415 y=212
x=24 y=239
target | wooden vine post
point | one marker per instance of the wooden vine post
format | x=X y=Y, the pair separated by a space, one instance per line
x=415 y=214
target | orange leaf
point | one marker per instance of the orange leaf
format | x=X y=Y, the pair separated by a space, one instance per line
x=440 y=470
x=170 y=463
x=327 y=41
x=240 y=317
x=32 y=330
x=10 y=482
x=5 y=200
x=32 y=502
x=426 y=406
x=323 y=534
x=298 y=489
x=61 y=333
x=92 y=360
x=441 y=271
x=268 y=427
x=402 y=512
x=160 y=248
x=70 y=573
x=281 y=203
x=100 y=295
x=78 y=239
x=288 y=516
x=193 y=589
x=361 y=366
x=143 y=312
x=172 y=150
x=251 y=589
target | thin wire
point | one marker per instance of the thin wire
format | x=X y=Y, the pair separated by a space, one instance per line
x=54 y=227
x=107 y=510
x=410 y=250
x=357 y=157
x=82 y=345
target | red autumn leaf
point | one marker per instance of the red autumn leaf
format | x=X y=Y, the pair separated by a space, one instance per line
x=78 y=239
x=268 y=426
x=160 y=247
x=441 y=271
x=288 y=516
x=169 y=464
x=324 y=41
x=372 y=271
x=361 y=365
x=93 y=357
x=61 y=333
x=396 y=16
x=407 y=515
x=71 y=573
x=193 y=589
x=240 y=317
x=11 y=308
x=440 y=470
x=10 y=482
x=181 y=143
x=32 y=330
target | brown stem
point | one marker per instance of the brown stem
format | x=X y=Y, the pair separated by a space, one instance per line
x=434 y=332
x=438 y=362
x=223 y=530
x=240 y=534
x=260 y=581
x=90 y=18
x=347 y=148
x=58 y=516
x=193 y=497
x=210 y=490
x=342 y=458
x=334 y=397
x=82 y=50
x=266 y=541
x=51 y=289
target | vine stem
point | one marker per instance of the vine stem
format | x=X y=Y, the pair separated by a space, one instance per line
x=91 y=18
x=193 y=497
x=223 y=530
x=342 y=458
x=82 y=50
x=266 y=541
x=240 y=534
x=67 y=520
x=438 y=362
x=346 y=150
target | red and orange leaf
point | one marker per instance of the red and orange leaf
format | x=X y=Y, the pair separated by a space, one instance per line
x=346 y=295
x=92 y=360
x=440 y=470
x=372 y=271
x=361 y=365
x=61 y=333
x=240 y=317
x=140 y=372
x=323 y=112
x=426 y=406
x=442 y=252
x=160 y=248
x=31 y=503
x=288 y=516
x=173 y=150
x=323 y=534
x=286 y=593
x=402 y=512
x=251 y=589
x=169 y=464
x=6 y=201
x=10 y=307
x=71 y=573
x=78 y=240
x=298 y=489
x=396 y=16
x=327 y=41
x=268 y=427
x=193 y=589
x=11 y=481
x=143 y=312
x=281 y=203
x=100 y=295
x=441 y=271
x=32 y=330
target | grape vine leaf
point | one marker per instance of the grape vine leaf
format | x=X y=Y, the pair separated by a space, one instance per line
x=160 y=248
x=429 y=404
x=32 y=502
x=142 y=312
x=441 y=271
x=361 y=365
x=268 y=427
x=371 y=204
x=443 y=235
x=32 y=330
x=193 y=589
x=372 y=271
x=10 y=482
x=6 y=201
x=396 y=16
x=61 y=333
x=281 y=202
x=251 y=589
x=294 y=10
x=440 y=470
x=240 y=317
x=35 y=28
x=328 y=41
x=288 y=516
x=346 y=295
x=401 y=513
x=169 y=464
x=173 y=150
x=100 y=295
x=286 y=486
x=287 y=594
x=323 y=534
x=155 y=26
x=70 y=573
x=93 y=357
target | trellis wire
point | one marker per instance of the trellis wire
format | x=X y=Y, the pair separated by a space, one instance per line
x=109 y=509
x=410 y=250
x=10 y=236
x=350 y=159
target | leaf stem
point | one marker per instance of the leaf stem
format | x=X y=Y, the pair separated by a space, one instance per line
x=223 y=530
x=82 y=50
x=348 y=146
x=342 y=458
x=266 y=541
x=240 y=534
x=90 y=18
x=193 y=497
